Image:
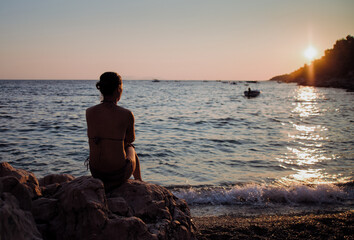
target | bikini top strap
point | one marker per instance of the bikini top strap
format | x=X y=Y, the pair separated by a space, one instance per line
x=97 y=140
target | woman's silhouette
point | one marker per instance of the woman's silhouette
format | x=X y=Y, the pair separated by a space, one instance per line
x=110 y=129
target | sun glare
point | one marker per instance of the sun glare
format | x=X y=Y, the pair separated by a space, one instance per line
x=310 y=53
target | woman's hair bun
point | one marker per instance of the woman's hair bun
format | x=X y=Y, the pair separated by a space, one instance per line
x=109 y=82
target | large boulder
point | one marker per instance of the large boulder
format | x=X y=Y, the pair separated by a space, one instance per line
x=165 y=215
x=64 y=207
x=20 y=191
x=27 y=179
x=16 y=223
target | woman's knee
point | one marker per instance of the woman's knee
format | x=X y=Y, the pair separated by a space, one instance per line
x=130 y=153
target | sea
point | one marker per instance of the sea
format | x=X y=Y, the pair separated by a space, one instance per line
x=288 y=150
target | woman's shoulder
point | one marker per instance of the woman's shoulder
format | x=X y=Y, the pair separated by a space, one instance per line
x=100 y=109
x=125 y=111
x=92 y=109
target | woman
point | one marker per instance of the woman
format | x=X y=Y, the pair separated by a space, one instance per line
x=110 y=129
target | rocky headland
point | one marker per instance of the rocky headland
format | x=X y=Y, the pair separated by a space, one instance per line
x=335 y=69
x=61 y=206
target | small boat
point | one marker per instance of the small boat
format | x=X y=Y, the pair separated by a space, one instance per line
x=251 y=93
x=155 y=80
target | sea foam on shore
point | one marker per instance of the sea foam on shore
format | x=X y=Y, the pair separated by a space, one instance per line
x=255 y=199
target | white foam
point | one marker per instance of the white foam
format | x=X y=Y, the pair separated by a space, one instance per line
x=262 y=194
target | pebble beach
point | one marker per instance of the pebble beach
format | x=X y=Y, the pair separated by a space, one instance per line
x=335 y=225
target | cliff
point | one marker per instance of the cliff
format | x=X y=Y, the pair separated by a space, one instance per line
x=63 y=207
x=334 y=69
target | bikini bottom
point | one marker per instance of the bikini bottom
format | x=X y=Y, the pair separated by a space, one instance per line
x=115 y=178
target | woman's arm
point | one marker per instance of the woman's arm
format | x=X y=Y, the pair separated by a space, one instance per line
x=130 y=133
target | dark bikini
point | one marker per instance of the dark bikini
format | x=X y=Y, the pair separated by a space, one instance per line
x=113 y=178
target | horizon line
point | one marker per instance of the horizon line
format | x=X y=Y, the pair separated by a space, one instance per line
x=217 y=80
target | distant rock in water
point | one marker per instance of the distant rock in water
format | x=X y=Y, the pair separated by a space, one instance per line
x=63 y=207
x=335 y=69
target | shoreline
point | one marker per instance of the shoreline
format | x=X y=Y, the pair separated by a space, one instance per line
x=332 y=225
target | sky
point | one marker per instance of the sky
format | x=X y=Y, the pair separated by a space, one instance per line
x=166 y=39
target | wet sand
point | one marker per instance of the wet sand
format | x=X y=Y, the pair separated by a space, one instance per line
x=308 y=226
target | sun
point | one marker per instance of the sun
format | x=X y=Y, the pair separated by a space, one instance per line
x=310 y=53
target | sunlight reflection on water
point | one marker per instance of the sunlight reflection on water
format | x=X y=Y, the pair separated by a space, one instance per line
x=306 y=152
x=305 y=102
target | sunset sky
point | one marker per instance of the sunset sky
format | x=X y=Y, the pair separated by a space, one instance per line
x=166 y=39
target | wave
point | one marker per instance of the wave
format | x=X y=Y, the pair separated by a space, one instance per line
x=265 y=193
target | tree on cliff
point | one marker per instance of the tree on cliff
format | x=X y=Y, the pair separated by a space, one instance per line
x=334 y=69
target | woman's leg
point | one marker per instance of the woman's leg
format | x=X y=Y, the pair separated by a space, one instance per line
x=131 y=154
x=137 y=173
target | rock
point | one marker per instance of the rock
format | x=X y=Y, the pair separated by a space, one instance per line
x=119 y=206
x=127 y=228
x=50 y=190
x=21 y=192
x=24 y=177
x=50 y=184
x=166 y=215
x=83 y=213
x=16 y=223
x=82 y=209
x=79 y=208
x=44 y=209
x=55 y=178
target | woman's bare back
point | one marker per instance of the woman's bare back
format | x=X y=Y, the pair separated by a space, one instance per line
x=109 y=128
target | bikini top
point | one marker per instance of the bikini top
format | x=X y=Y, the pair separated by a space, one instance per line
x=97 y=140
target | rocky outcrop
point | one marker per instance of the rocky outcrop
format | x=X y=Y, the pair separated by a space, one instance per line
x=64 y=207
x=334 y=69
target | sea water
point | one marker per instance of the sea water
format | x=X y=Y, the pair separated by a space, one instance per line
x=206 y=142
